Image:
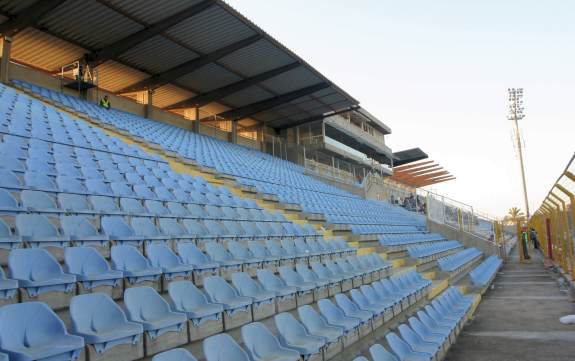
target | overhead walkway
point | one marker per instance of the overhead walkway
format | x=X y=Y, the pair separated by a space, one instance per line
x=519 y=318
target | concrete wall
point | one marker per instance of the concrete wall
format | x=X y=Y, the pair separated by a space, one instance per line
x=465 y=238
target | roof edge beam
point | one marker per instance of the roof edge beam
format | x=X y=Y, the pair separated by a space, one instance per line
x=29 y=16
x=219 y=93
x=113 y=50
x=174 y=73
x=254 y=108
x=317 y=117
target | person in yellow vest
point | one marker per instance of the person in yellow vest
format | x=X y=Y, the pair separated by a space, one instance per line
x=105 y=102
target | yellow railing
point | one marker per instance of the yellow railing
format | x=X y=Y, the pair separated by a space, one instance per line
x=555 y=218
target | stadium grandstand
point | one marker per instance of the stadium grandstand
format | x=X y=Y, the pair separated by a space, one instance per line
x=175 y=184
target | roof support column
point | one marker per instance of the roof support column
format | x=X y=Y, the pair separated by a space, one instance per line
x=234 y=133
x=149 y=103
x=6 y=43
x=196 y=121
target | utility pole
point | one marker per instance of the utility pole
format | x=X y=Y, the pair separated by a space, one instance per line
x=516 y=114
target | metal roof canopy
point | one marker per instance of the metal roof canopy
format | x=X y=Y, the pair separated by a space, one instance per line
x=421 y=174
x=203 y=48
x=408 y=156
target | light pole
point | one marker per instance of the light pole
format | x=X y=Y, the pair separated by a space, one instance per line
x=515 y=114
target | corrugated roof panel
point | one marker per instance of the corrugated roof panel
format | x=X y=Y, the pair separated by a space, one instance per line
x=247 y=96
x=168 y=95
x=152 y=11
x=295 y=79
x=44 y=51
x=209 y=77
x=150 y=55
x=210 y=30
x=92 y=24
x=256 y=58
x=114 y=76
x=15 y=6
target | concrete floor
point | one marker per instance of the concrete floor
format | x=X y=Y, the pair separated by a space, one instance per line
x=519 y=318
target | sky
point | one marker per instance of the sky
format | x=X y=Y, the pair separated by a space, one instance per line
x=437 y=72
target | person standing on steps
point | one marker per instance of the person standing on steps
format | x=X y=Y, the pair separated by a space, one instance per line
x=105 y=102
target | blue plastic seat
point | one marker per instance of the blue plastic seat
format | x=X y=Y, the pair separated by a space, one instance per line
x=403 y=350
x=38 y=201
x=136 y=267
x=350 y=309
x=90 y=268
x=218 y=253
x=223 y=347
x=177 y=354
x=318 y=326
x=262 y=345
x=249 y=287
x=379 y=353
x=145 y=306
x=292 y=278
x=425 y=333
x=335 y=316
x=81 y=230
x=38 y=272
x=32 y=331
x=417 y=343
x=133 y=207
x=74 y=203
x=188 y=299
x=190 y=254
x=273 y=283
x=295 y=336
x=104 y=205
x=8 y=203
x=37 y=230
x=161 y=256
x=118 y=230
x=219 y=291
x=101 y=322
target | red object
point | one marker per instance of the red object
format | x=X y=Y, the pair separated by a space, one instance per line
x=549 y=243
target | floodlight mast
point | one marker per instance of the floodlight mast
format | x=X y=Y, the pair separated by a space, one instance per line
x=515 y=115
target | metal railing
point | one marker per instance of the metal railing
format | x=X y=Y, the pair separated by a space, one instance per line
x=554 y=221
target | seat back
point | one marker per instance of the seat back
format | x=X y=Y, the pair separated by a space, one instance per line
x=288 y=327
x=144 y=304
x=223 y=347
x=95 y=312
x=73 y=202
x=131 y=205
x=37 y=200
x=85 y=261
x=246 y=285
x=7 y=200
x=345 y=303
x=259 y=341
x=144 y=227
x=33 y=264
x=29 y=324
x=330 y=311
x=77 y=226
x=219 y=290
x=128 y=258
x=103 y=204
x=116 y=227
x=289 y=275
x=186 y=296
x=379 y=353
x=268 y=279
x=399 y=347
x=35 y=225
x=217 y=252
x=160 y=255
x=190 y=254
